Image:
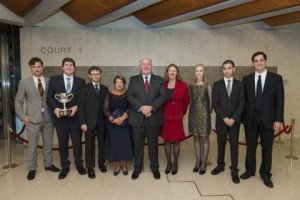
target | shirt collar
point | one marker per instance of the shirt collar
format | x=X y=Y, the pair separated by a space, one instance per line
x=65 y=76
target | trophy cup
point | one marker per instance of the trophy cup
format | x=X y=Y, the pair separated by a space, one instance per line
x=64 y=98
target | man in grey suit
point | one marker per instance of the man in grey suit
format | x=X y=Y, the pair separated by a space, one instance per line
x=228 y=102
x=146 y=94
x=37 y=118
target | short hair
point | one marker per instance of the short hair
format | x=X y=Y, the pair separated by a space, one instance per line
x=68 y=59
x=258 y=53
x=33 y=60
x=178 y=75
x=122 y=78
x=228 y=62
x=94 y=68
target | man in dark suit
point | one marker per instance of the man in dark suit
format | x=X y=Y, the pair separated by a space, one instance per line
x=90 y=109
x=228 y=102
x=66 y=125
x=37 y=118
x=146 y=94
x=263 y=113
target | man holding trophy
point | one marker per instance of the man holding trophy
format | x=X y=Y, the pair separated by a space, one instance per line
x=62 y=100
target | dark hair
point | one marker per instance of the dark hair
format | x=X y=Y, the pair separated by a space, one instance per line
x=68 y=60
x=33 y=60
x=95 y=68
x=258 y=53
x=178 y=75
x=228 y=62
x=122 y=78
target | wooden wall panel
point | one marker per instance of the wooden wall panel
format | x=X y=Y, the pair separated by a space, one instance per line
x=283 y=19
x=20 y=7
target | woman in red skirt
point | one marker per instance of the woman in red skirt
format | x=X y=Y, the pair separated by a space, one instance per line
x=175 y=107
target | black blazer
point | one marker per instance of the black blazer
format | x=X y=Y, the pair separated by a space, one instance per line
x=224 y=106
x=137 y=97
x=56 y=86
x=90 y=104
x=272 y=100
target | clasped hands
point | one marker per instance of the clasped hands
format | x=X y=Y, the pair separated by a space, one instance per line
x=229 y=122
x=73 y=111
x=146 y=110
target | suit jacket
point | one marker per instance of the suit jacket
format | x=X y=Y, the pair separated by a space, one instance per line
x=272 y=100
x=137 y=97
x=56 y=86
x=90 y=104
x=176 y=107
x=224 y=106
x=28 y=91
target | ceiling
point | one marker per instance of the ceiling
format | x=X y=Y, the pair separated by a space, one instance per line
x=273 y=14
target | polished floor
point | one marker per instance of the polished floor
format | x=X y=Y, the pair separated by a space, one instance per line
x=185 y=185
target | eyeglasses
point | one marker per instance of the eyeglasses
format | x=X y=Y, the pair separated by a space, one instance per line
x=95 y=74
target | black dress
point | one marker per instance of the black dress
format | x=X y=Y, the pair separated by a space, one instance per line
x=119 y=140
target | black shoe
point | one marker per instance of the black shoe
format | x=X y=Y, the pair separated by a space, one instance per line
x=268 y=182
x=168 y=168
x=116 y=172
x=52 y=168
x=31 y=175
x=235 y=178
x=102 y=168
x=91 y=173
x=81 y=170
x=156 y=174
x=125 y=172
x=217 y=170
x=202 y=171
x=246 y=175
x=63 y=174
x=196 y=169
x=135 y=174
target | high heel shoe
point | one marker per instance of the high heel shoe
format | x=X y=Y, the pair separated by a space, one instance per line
x=196 y=169
x=125 y=172
x=168 y=168
x=174 y=169
x=116 y=172
x=202 y=171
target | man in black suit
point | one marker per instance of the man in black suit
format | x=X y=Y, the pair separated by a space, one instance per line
x=90 y=104
x=146 y=94
x=263 y=113
x=228 y=102
x=66 y=125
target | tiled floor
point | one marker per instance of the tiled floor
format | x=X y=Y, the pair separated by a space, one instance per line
x=186 y=185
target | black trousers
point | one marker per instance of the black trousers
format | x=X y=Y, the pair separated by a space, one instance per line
x=99 y=131
x=139 y=135
x=233 y=133
x=267 y=138
x=64 y=130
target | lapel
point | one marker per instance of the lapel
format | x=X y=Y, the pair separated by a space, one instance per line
x=142 y=84
x=252 y=86
x=32 y=85
x=224 y=90
x=152 y=83
x=267 y=83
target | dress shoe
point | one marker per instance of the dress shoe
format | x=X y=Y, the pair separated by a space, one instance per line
x=135 y=174
x=125 y=171
x=217 y=170
x=235 y=178
x=117 y=171
x=156 y=174
x=52 y=168
x=196 y=169
x=63 y=174
x=91 y=173
x=168 y=168
x=246 y=175
x=31 y=175
x=81 y=170
x=102 y=168
x=174 y=169
x=202 y=171
x=268 y=182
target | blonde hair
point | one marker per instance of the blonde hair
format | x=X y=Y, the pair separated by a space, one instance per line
x=194 y=76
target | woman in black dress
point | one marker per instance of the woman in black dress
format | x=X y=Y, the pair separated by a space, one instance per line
x=116 y=109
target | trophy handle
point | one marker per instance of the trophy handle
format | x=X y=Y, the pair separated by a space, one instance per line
x=56 y=96
x=70 y=96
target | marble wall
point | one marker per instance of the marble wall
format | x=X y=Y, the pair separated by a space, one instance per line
x=120 y=50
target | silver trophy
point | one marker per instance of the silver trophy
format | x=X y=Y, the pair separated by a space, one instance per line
x=64 y=98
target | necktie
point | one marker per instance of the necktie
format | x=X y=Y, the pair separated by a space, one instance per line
x=40 y=87
x=146 y=84
x=97 y=88
x=258 y=94
x=228 y=87
x=68 y=85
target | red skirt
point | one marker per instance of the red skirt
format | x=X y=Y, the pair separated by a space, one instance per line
x=172 y=129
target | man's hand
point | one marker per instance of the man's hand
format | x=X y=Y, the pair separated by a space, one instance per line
x=277 y=126
x=26 y=120
x=146 y=110
x=84 y=127
x=73 y=111
x=56 y=112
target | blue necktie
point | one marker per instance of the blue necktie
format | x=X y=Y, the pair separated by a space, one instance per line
x=258 y=94
x=68 y=85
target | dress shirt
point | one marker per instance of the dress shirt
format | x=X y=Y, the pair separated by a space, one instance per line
x=262 y=77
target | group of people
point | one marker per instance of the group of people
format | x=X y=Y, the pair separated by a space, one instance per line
x=152 y=106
